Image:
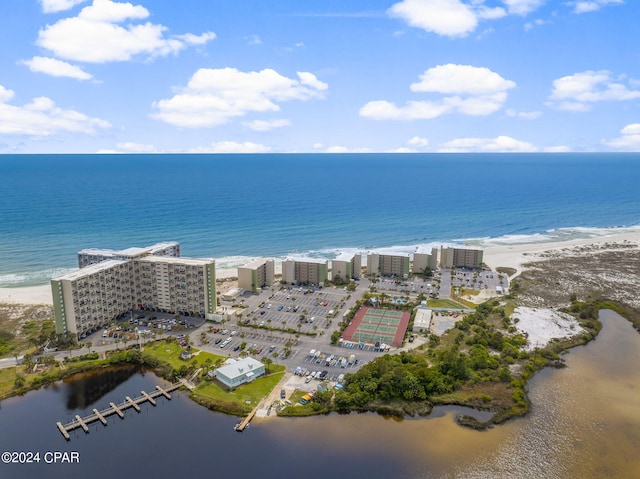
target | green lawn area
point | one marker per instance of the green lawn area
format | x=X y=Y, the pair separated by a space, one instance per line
x=170 y=353
x=445 y=303
x=253 y=392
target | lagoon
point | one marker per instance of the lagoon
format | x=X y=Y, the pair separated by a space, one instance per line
x=584 y=423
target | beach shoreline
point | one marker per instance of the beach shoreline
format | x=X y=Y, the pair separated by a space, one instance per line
x=513 y=256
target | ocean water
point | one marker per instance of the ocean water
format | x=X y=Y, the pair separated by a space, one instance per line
x=239 y=207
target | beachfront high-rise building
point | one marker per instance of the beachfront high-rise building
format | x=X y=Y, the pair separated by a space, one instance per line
x=422 y=260
x=90 y=256
x=388 y=264
x=305 y=271
x=255 y=275
x=460 y=258
x=97 y=294
x=346 y=266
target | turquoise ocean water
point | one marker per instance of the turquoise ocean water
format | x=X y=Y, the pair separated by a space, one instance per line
x=238 y=207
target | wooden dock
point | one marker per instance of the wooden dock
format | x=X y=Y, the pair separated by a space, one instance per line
x=118 y=409
x=245 y=422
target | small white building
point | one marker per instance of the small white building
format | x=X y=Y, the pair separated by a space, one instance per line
x=240 y=371
x=422 y=320
x=232 y=294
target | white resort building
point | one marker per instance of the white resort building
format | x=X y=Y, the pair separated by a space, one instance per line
x=460 y=258
x=347 y=266
x=423 y=260
x=304 y=271
x=388 y=264
x=98 y=293
x=256 y=275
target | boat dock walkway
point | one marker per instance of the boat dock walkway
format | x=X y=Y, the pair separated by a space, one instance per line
x=118 y=409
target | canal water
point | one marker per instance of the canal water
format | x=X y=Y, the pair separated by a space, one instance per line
x=585 y=423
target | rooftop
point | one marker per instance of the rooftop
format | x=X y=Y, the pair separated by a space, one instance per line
x=233 y=369
x=89 y=270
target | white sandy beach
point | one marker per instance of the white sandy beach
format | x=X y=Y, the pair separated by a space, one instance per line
x=511 y=256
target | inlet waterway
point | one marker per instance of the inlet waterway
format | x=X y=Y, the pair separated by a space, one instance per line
x=585 y=422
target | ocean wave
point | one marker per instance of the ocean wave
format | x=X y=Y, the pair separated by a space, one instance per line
x=32 y=278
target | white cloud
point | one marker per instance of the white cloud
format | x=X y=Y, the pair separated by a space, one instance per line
x=523 y=115
x=522 y=7
x=232 y=147
x=418 y=141
x=456 y=18
x=253 y=40
x=344 y=149
x=56 y=68
x=461 y=79
x=500 y=144
x=587 y=6
x=557 y=149
x=443 y=17
x=215 y=96
x=41 y=117
x=96 y=36
x=629 y=139
x=266 y=125
x=576 y=92
x=535 y=23
x=132 y=147
x=53 y=6
x=476 y=91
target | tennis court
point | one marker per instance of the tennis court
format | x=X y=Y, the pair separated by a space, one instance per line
x=372 y=325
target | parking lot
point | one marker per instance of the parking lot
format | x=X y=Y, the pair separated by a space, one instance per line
x=302 y=309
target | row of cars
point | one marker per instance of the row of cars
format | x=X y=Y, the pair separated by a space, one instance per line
x=319 y=375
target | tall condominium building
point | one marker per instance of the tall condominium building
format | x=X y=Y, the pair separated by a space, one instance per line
x=97 y=294
x=387 y=264
x=255 y=275
x=422 y=260
x=460 y=258
x=305 y=271
x=347 y=266
x=90 y=256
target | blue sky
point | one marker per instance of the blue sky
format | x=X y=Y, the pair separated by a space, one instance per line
x=87 y=76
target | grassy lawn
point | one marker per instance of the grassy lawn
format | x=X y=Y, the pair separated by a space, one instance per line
x=445 y=303
x=244 y=397
x=170 y=353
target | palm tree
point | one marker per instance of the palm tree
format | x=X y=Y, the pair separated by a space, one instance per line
x=269 y=325
x=266 y=361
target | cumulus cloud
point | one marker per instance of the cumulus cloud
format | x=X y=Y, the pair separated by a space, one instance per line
x=266 y=125
x=41 y=117
x=578 y=91
x=56 y=68
x=457 y=18
x=99 y=34
x=500 y=144
x=215 y=96
x=418 y=142
x=53 y=6
x=587 y=6
x=557 y=149
x=470 y=90
x=443 y=17
x=629 y=139
x=232 y=147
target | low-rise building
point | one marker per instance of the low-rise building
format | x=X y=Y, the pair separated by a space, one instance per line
x=346 y=266
x=304 y=271
x=422 y=320
x=388 y=264
x=423 y=260
x=256 y=275
x=240 y=371
x=460 y=258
